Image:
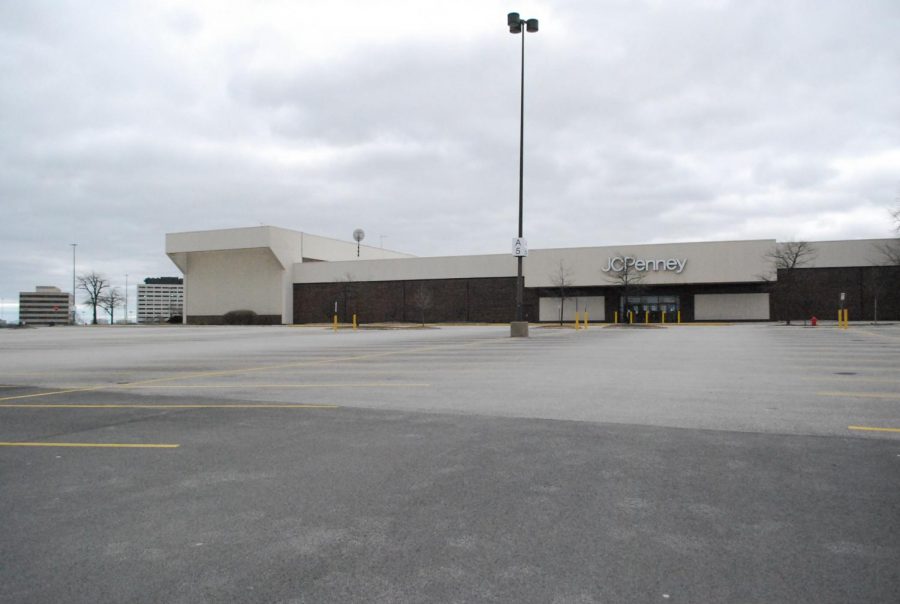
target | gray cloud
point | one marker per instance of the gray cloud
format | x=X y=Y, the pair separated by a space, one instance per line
x=645 y=122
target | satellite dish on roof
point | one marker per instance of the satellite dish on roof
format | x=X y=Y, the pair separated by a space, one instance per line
x=358 y=235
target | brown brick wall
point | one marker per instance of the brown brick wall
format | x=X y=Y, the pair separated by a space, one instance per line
x=219 y=320
x=489 y=300
x=816 y=292
x=492 y=300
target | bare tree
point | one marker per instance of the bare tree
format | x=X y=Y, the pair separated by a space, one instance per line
x=879 y=284
x=888 y=255
x=624 y=277
x=347 y=295
x=891 y=251
x=110 y=301
x=93 y=285
x=561 y=279
x=422 y=300
x=786 y=259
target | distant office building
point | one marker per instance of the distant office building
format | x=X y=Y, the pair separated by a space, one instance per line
x=159 y=298
x=47 y=305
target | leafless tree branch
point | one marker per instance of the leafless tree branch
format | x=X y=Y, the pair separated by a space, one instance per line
x=110 y=301
x=93 y=285
x=422 y=300
x=561 y=279
x=627 y=279
x=786 y=258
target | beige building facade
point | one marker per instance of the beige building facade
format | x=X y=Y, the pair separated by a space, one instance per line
x=292 y=277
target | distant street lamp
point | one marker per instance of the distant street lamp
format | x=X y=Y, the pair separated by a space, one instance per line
x=358 y=235
x=74 y=245
x=516 y=27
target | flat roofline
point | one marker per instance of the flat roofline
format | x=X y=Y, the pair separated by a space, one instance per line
x=593 y=247
x=843 y=240
x=587 y=247
x=247 y=228
x=623 y=245
x=372 y=247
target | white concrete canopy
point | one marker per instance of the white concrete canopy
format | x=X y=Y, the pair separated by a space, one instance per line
x=252 y=268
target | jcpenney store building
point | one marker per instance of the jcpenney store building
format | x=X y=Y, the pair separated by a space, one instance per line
x=292 y=277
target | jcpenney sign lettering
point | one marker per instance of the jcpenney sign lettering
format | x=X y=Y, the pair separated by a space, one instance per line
x=619 y=263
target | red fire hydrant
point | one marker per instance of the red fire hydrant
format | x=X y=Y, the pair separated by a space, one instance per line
x=813 y=321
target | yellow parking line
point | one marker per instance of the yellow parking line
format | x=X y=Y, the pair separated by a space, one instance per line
x=39 y=394
x=876 y=334
x=338 y=385
x=141 y=386
x=873 y=429
x=882 y=395
x=161 y=406
x=103 y=445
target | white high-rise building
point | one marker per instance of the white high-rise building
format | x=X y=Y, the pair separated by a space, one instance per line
x=160 y=298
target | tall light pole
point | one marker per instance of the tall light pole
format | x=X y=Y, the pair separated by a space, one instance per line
x=126 y=298
x=74 y=245
x=520 y=26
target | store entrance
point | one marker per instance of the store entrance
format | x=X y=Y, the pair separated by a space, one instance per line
x=652 y=309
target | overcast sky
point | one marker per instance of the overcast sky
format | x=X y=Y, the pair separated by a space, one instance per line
x=652 y=121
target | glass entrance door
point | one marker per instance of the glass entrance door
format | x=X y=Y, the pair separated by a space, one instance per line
x=652 y=309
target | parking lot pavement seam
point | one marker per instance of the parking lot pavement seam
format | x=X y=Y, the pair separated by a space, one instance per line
x=295 y=364
x=848 y=378
x=882 y=395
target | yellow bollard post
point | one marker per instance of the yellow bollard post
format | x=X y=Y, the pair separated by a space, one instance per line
x=646 y=316
x=615 y=316
x=679 y=317
x=585 y=319
x=664 y=317
x=576 y=321
x=354 y=322
x=335 y=322
x=846 y=318
x=630 y=317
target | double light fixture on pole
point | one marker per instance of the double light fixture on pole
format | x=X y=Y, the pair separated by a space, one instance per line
x=518 y=25
x=73 y=311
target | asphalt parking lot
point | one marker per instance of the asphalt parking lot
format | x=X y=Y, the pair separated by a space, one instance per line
x=742 y=463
